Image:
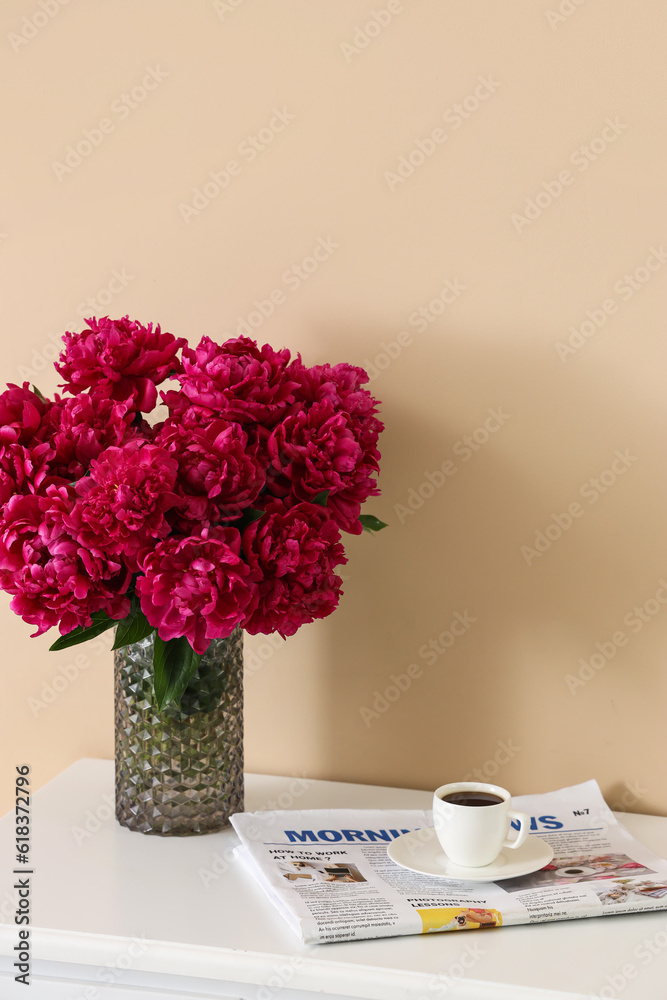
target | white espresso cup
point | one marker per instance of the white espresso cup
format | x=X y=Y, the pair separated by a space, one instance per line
x=474 y=835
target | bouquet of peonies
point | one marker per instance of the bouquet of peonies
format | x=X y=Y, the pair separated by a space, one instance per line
x=227 y=513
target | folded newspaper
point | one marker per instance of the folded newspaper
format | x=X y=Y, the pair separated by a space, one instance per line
x=328 y=873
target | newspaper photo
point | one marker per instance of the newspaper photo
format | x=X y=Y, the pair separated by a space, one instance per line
x=329 y=875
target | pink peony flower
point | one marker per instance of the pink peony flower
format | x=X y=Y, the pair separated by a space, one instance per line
x=322 y=448
x=26 y=469
x=198 y=587
x=238 y=380
x=183 y=412
x=293 y=552
x=55 y=580
x=71 y=433
x=81 y=428
x=7 y=487
x=218 y=472
x=121 y=506
x=21 y=413
x=120 y=360
x=91 y=495
x=340 y=385
x=24 y=456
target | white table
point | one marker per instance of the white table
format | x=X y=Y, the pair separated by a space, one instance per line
x=121 y=916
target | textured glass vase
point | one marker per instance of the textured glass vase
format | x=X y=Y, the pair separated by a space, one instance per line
x=180 y=772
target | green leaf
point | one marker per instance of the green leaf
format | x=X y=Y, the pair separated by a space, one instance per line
x=39 y=394
x=73 y=482
x=321 y=498
x=174 y=663
x=101 y=622
x=371 y=523
x=250 y=515
x=133 y=628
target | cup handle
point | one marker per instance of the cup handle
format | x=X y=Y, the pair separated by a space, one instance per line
x=522 y=835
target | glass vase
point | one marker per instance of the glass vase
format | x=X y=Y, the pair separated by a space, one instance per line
x=179 y=773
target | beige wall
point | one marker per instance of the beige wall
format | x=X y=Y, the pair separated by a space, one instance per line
x=506 y=698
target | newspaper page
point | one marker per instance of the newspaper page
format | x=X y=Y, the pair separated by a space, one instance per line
x=329 y=874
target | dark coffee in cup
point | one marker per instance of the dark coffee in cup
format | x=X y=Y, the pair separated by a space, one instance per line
x=472 y=798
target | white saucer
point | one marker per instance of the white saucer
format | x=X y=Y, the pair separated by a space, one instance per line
x=420 y=851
